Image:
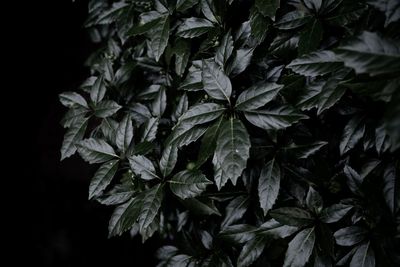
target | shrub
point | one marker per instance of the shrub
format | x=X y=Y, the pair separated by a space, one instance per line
x=245 y=132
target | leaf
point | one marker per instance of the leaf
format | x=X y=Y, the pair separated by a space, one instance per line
x=142 y=166
x=182 y=5
x=300 y=248
x=140 y=113
x=96 y=150
x=98 y=90
x=274 y=118
x=304 y=151
x=232 y=151
x=391 y=189
x=215 y=81
x=159 y=103
x=251 y=251
x=391 y=8
x=257 y=96
x=182 y=54
x=198 y=207
x=314 y=5
x=209 y=10
x=194 y=27
x=334 y=213
x=292 y=216
x=349 y=236
x=241 y=60
x=224 y=51
x=267 y=8
x=147 y=21
x=151 y=204
x=168 y=160
x=70 y=99
x=73 y=115
x=159 y=37
x=188 y=184
x=239 y=233
x=272 y=229
x=268 y=185
x=102 y=178
x=311 y=37
x=183 y=135
x=74 y=134
x=371 y=53
x=364 y=256
x=124 y=134
x=209 y=142
x=150 y=130
x=201 y=113
x=235 y=210
x=193 y=80
x=124 y=216
x=258 y=27
x=106 y=109
x=314 y=200
x=181 y=108
x=352 y=134
x=354 y=180
x=316 y=63
x=292 y=20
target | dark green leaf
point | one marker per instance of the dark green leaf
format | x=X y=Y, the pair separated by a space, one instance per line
x=209 y=142
x=70 y=99
x=215 y=81
x=188 y=184
x=239 y=233
x=391 y=8
x=314 y=201
x=98 y=90
x=349 y=236
x=251 y=251
x=150 y=206
x=150 y=130
x=304 y=151
x=194 y=27
x=182 y=5
x=201 y=113
x=310 y=37
x=352 y=134
x=334 y=213
x=74 y=135
x=267 y=8
x=241 y=60
x=257 y=96
x=96 y=150
x=159 y=103
x=182 y=54
x=124 y=134
x=142 y=166
x=124 y=216
x=199 y=207
x=106 y=108
x=364 y=256
x=300 y=248
x=391 y=189
x=292 y=20
x=224 y=51
x=292 y=216
x=232 y=149
x=268 y=185
x=209 y=10
x=102 y=178
x=168 y=160
x=235 y=210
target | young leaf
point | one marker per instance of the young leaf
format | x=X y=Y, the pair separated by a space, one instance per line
x=232 y=149
x=215 y=81
x=188 y=184
x=96 y=150
x=300 y=248
x=268 y=185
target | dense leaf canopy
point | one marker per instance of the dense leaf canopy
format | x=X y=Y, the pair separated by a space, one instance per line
x=245 y=132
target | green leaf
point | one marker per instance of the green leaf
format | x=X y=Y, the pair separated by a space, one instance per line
x=194 y=27
x=292 y=216
x=147 y=21
x=201 y=207
x=313 y=5
x=349 y=236
x=151 y=204
x=124 y=216
x=292 y=20
x=185 y=134
x=241 y=60
x=268 y=8
x=215 y=81
x=140 y=113
x=142 y=166
x=96 y=150
x=182 y=54
x=304 y=151
x=257 y=96
x=274 y=118
x=316 y=63
x=258 y=27
x=193 y=80
x=159 y=37
x=283 y=44
x=70 y=99
x=181 y=108
x=124 y=134
x=311 y=37
x=391 y=8
x=209 y=10
x=98 y=90
x=235 y=210
x=209 y=142
x=352 y=134
x=391 y=189
x=274 y=230
x=314 y=201
x=120 y=193
x=364 y=256
x=239 y=233
x=300 y=248
x=188 y=184
x=159 y=103
x=268 y=185
x=150 y=130
x=251 y=251
x=354 y=180
x=371 y=53
x=106 y=108
x=334 y=213
x=201 y=113
x=224 y=51
x=232 y=149
x=73 y=115
x=74 y=134
x=102 y=178
x=182 y=5
x=168 y=160
x=220 y=177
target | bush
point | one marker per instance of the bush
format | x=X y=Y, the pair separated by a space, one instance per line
x=245 y=132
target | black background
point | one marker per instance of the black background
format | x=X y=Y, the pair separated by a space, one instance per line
x=60 y=226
